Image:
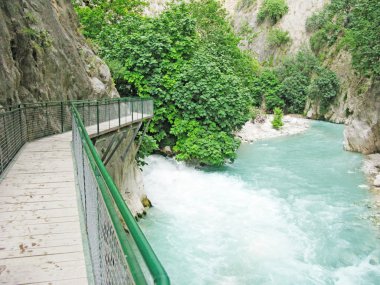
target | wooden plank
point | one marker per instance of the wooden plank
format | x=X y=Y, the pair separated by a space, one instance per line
x=39 y=205
x=70 y=281
x=44 y=240
x=33 y=198
x=29 y=251
x=16 y=230
x=38 y=214
x=42 y=221
x=43 y=268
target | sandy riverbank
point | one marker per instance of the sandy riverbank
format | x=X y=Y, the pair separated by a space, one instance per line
x=257 y=131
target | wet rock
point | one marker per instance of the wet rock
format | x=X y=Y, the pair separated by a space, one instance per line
x=168 y=151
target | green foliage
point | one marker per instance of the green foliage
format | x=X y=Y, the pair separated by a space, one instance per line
x=244 y=4
x=364 y=36
x=254 y=112
x=352 y=24
x=272 y=9
x=41 y=38
x=267 y=90
x=188 y=60
x=301 y=77
x=148 y=146
x=277 y=119
x=278 y=38
x=198 y=144
x=247 y=33
x=324 y=86
x=315 y=22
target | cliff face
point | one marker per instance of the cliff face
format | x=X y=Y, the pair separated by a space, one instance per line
x=293 y=22
x=126 y=174
x=44 y=57
x=357 y=106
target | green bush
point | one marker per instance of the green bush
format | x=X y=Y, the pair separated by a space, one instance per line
x=277 y=119
x=272 y=9
x=278 y=38
x=254 y=112
x=295 y=74
x=267 y=90
x=315 y=22
x=318 y=40
x=324 y=86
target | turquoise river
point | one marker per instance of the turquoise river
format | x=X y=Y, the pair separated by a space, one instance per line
x=291 y=210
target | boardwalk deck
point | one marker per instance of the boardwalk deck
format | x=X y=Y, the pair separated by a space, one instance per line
x=40 y=235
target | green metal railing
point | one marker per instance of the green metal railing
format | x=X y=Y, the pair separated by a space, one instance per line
x=120 y=253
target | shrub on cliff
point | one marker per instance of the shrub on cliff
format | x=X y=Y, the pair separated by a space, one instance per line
x=272 y=9
x=278 y=38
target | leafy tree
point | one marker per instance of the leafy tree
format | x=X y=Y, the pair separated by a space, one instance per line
x=325 y=86
x=267 y=90
x=188 y=60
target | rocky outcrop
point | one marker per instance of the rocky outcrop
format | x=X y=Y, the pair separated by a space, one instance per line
x=372 y=169
x=254 y=131
x=357 y=105
x=44 y=57
x=293 y=22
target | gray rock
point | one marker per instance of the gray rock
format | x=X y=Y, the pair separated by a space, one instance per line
x=167 y=150
x=376 y=182
x=98 y=86
x=44 y=57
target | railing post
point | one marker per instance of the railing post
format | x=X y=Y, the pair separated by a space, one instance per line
x=118 y=107
x=97 y=116
x=62 y=118
x=132 y=109
x=21 y=128
x=47 y=120
x=142 y=109
x=83 y=116
x=6 y=138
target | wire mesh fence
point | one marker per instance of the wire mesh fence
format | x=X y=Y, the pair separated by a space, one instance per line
x=108 y=261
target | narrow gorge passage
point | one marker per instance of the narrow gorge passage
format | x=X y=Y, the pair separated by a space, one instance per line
x=291 y=210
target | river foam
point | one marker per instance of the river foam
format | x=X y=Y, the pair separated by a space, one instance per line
x=237 y=225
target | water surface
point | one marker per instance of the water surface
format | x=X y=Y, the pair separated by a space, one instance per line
x=291 y=210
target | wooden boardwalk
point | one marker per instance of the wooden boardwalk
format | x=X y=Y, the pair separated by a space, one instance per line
x=40 y=235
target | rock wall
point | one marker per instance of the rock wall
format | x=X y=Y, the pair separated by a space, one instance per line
x=357 y=105
x=126 y=174
x=293 y=22
x=44 y=57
